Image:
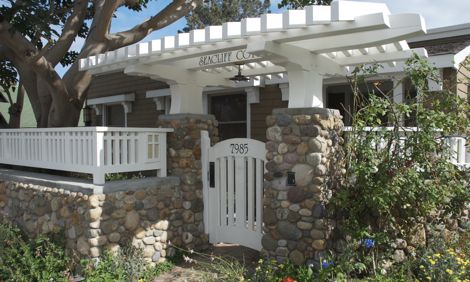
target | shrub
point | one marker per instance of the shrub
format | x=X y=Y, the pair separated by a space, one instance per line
x=38 y=259
x=126 y=265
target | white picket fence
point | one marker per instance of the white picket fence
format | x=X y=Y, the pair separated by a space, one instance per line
x=93 y=150
x=459 y=153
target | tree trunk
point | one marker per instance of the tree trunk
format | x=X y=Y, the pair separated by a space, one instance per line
x=16 y=108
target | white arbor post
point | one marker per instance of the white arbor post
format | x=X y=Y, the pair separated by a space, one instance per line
x=186 y=98
x=305 y=88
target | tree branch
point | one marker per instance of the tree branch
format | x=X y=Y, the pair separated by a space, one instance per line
x=69 y=33
x=104 y=11
x=167 y=16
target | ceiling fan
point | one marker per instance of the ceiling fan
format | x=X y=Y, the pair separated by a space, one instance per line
x=239 y=77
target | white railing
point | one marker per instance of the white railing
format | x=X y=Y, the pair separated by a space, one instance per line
x=459 y=151
x=94 y=150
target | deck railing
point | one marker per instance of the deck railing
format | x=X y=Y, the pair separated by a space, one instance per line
x=459 y=151
x=93 y=150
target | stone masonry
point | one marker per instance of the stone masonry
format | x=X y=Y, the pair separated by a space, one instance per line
x=146 y=217
x=184 y=161
x=302 y=141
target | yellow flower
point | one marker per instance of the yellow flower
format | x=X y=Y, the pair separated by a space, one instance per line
x=437 y=255
x=421 y=266
x=428 y=277
x=449 y=271
x=432 y=262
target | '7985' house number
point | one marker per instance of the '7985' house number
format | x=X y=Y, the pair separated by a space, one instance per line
x=239 y=149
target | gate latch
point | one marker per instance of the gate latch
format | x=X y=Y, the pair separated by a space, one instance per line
x=211 y=175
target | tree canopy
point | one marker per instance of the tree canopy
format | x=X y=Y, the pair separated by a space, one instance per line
x=36 y=35
x=295 y=4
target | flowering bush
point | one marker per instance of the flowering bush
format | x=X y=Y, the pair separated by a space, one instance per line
x=449 y=265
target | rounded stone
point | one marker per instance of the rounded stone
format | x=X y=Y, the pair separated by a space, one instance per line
x=293 y=217
x=187 y=237
x=282 y=251
x=291 y=158
x=319 y=245
x=82 y=246
x=94 y=201
x=149 y=240
x=302 y=119
x=283 y=119
x=274 y=133
x=98 y=241
x=278 y=159
x=268 y=243
x=270 y=120
x=305 y=212
x=302 y=148
x=156 y=257
x=140 y=233
x=188 y=216
x=304 y=225
x=288 y=231
x=282 y=214
x=320 y=170
x=114 y=237
x=313 y=159
x=109 y=226
x=317 y=234
x=318 y=145
x=282 y=243
x=310 y=130
x=132 y=220
x=94 y=214
x=399 y=256
x=269 y=216
x=296 y=195
x=303 y=174
x=297 y=257
x=95 y=252
x=294 y=207
x=148 y=251
x=282 y=148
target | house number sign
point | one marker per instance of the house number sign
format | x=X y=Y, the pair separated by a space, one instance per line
x=239 y=148
x=225 y=57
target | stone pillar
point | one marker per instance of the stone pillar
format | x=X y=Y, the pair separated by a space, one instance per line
x=184 y=161
x=306 y=142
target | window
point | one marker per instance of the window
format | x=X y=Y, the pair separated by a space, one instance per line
x=231 y=112
x=153 y=147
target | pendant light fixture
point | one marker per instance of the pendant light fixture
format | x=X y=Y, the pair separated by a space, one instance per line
x=239 y=77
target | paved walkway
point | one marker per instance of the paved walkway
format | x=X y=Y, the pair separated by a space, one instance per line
x=192 y=273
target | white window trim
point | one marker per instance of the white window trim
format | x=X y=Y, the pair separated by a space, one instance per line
x=99 y=104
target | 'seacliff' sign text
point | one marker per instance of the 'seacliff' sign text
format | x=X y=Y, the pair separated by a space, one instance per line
x=225 y=57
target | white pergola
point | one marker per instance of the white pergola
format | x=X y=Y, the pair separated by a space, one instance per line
x=301 y=47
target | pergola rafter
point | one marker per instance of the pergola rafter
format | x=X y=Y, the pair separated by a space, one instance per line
x=305 y=45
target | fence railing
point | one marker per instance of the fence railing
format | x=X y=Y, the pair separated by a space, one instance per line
x=93 y=150
x=459 y=151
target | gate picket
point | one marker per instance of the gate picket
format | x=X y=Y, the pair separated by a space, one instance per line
x=233 y=208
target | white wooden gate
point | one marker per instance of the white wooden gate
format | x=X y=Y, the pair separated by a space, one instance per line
x=233 y=172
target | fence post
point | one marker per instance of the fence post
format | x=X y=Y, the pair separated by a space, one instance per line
x=205 y=146
x=162 y=154
x=98 y=173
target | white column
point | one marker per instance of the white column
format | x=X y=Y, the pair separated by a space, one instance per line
x=186 y=98
x=305 y=88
